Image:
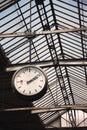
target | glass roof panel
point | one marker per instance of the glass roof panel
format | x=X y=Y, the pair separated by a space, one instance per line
x=67 y=85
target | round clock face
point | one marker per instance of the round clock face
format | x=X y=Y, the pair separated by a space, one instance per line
x=30 y=82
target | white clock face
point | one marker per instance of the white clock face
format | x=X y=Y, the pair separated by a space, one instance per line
x=29 y=81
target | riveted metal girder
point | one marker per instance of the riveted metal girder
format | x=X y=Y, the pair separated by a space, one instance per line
x=43 y=64
x=35 y=33
x=48 y=109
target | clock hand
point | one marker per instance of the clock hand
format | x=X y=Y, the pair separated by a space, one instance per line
x=36 y=77
x=29 y=81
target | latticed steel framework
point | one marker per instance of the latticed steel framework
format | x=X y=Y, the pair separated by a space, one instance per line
x=51 y=34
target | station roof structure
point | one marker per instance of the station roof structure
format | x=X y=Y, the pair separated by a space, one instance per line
x=51 y=34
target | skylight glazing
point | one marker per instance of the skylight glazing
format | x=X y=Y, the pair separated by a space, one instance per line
x=67 y=85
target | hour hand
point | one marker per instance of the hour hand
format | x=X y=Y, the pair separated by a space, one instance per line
x=29 y=81
x=34 y=78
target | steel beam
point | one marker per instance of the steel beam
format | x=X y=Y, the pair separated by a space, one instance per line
x=60 y=108
x=44 y=64
x=8 y=5
x=36 y=33
x=48 y=109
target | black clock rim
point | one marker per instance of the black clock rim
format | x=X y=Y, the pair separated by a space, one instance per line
x=30 y=97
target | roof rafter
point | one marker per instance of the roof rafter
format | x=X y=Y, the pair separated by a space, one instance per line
x=22 y=34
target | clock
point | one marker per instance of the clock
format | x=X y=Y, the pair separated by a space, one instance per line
x=29 y=82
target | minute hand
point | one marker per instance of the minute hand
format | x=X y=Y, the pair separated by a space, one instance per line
x=36 y=77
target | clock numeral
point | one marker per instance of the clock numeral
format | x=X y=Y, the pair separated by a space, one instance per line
x=29 y=92
x=41 y=80
x=29 y=69
x=38 y=75
x=19 y=87
x=35 y=71
x=17 y=81
x=35 y=90
x=23 y=91
x=18 y=75
x=40 y=86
